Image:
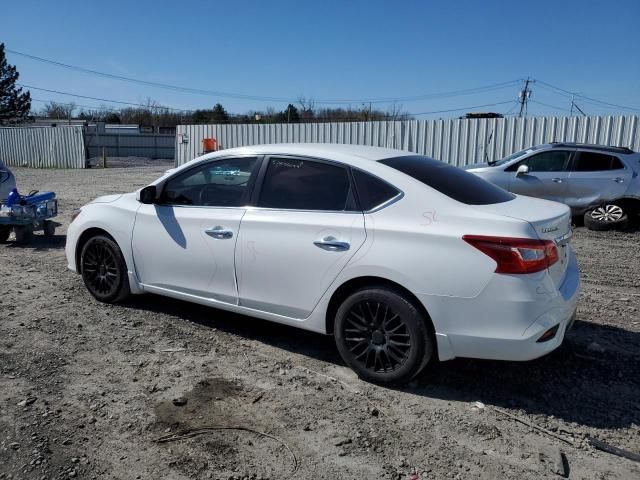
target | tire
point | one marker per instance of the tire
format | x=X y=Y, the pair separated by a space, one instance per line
x=23 y=234
x=383 y=336
x=606 y=217
x=5 y=231
x=104 y=270
x=49 y=228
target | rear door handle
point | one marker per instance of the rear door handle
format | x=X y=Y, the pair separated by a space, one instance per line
x=618 y=180
x=219 y=232
x=557 y=180
x=331 y=244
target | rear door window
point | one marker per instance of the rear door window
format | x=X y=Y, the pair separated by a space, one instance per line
x=550 y=161
x=301 y=184
x=455 y=183
x=594 y=162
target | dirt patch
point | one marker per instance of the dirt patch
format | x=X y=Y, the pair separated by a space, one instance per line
x=214 y=399
x=87 y=389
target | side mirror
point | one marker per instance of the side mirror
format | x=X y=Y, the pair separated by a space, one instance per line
x=522 y=170
x=147 y=195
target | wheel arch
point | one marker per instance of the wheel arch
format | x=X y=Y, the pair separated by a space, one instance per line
x=84 y=238
x=357 y=283
x=629 y=204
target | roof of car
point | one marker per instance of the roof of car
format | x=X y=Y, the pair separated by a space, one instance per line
x=328 y=150
x=604 y=148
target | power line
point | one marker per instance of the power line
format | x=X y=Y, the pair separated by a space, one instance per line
x=515 y=105
x=469 y=91
x=589 y=99
x=42 y=100
x=550 y=106
x=162 y=107
x=463 y=108
x=184 y=110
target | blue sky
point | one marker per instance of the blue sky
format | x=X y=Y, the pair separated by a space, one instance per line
x=333 y=50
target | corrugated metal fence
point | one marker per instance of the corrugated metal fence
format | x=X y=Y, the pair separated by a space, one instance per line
x=43 y=147
x=457 y=141
x=126 y=145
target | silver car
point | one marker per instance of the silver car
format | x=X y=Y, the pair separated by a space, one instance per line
x=596 y=181
x=7 y=181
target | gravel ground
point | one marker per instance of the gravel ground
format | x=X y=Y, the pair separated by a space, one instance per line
x=86 y=390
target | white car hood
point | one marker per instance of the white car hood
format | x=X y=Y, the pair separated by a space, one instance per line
x=107 y=198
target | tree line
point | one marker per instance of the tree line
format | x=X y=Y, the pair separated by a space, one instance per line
x=153 y=114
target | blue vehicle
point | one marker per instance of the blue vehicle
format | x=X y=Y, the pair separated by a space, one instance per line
x=25 y=214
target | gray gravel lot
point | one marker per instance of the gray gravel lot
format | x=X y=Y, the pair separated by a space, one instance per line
x=86 y=389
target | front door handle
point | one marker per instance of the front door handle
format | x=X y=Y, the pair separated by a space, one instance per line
x=219 y=232
x=557 y=180
x=331 y=244
x=618 y=180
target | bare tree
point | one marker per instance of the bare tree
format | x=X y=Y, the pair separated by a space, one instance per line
x=307 y=108
x=59 y=110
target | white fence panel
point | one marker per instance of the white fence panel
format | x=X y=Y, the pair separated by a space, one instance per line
x=456 y=141
x=43 y=147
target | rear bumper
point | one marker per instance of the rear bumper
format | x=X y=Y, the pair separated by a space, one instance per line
x=508 y=318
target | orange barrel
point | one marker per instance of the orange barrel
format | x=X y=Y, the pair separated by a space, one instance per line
x=209 y=145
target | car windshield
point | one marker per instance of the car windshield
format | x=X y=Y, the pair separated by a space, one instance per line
x=454 y=182
x=513 y=156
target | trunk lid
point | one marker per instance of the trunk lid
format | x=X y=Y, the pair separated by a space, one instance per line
x=550 y=220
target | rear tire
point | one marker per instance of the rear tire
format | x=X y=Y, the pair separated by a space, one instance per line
x=104 y=270
x=606 y=217
x=5 y=231
x=23 y=234
x=383 y=336
x=49 y=228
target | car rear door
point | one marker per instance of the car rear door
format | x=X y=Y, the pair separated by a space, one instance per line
x=595 y=178
x=304 y=229
x=185 y=243
x=547 y=176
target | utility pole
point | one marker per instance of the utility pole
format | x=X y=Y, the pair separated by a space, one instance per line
x=525 y=93
x=572 y=103
x=575 y=105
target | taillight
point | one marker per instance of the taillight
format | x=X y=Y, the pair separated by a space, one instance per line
x=516 y=255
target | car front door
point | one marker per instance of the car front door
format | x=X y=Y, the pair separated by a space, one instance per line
x=303 y=230
x=185 y=242
x=547 y=176
x=595 y=178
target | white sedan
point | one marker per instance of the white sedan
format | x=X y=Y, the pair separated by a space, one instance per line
x=403 y=258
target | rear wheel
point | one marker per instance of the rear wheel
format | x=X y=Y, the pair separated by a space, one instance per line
x=49 y=228
x=605 y=217
x=104 y=270
x=5 y=230
x=382 y=336
x=24 y=234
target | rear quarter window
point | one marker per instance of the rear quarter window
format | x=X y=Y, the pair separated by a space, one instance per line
x=453 y=182
x=372 y=192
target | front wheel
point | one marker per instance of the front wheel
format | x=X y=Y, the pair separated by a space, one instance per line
x=104 y=270
x=382 y=336
x=606 y=217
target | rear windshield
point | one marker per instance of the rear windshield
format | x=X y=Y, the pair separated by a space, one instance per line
x=453 y=182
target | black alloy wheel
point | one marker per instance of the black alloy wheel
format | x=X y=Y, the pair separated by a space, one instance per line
x=383 y=336
x=104 y=270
